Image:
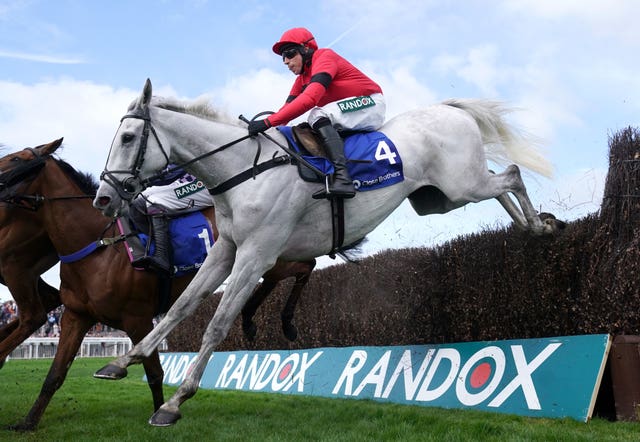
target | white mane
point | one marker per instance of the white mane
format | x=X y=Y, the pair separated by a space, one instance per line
x=199 y=107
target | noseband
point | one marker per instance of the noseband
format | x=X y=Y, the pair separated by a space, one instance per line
x=126 y=189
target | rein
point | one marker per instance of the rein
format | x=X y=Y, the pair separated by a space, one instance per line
x=127 y=188
x=171 y=169
x=35 y=202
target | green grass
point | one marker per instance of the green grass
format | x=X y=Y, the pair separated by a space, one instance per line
x=88 y=409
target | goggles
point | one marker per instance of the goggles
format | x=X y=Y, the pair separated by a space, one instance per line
x=290 y=53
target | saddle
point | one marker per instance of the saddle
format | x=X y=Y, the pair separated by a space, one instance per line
x=373 y=163
x=309 y=144
x=185 y=230
x=372 y=159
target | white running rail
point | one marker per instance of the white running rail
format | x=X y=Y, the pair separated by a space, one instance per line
x=36 y=348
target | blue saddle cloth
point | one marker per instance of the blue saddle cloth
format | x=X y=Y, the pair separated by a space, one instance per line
x=381 y=166
x=191 y=239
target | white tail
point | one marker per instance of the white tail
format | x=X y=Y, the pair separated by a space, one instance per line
x=503 y=143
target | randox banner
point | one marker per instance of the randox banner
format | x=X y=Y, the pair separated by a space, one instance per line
x=548 y=377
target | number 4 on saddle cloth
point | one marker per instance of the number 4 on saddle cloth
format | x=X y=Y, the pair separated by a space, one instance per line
x=191 y=238
x=373 y=160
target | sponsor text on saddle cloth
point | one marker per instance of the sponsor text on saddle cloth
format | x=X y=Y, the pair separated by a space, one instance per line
x=190 y=232
x=379 y=163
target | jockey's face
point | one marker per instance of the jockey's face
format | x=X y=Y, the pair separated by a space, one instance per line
x=294 y=63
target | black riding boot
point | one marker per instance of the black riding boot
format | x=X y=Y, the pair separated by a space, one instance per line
x=160 y=258
x=339 y=184
x=137 y=250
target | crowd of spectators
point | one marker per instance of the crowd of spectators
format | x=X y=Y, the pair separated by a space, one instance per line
x=51 y=328
x=8 y=312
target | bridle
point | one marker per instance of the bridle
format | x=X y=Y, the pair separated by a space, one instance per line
x=25 y=174
x=18 y=175
x=132 y=185
x=126 y=189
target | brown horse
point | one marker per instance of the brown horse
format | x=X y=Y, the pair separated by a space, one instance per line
x=25 y=253
x=103 y=286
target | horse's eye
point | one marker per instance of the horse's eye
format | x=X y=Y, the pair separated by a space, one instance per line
x=127 y=138
x=15 y=159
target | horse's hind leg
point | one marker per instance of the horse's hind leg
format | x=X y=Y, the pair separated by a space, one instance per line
x=518 y=218
x=261 y=292
x=511 y=181
x=288 y=328
x=281 y=271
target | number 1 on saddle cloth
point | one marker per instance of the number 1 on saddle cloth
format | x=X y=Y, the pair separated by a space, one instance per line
x=150 y=213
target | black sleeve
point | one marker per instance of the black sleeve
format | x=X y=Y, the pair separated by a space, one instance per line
x=323 y=78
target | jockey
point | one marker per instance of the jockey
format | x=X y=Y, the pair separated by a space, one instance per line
x=339 y=96
x=178 y=191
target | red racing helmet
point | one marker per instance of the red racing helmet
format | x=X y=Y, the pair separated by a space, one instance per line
x=298 y=36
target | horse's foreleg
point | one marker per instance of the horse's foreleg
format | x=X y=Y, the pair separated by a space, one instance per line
x=151 y=364
x=8 y=328
x=155 y=377
x=213 y=272
x=33 y=305
x=234 y=298
x=72 y=330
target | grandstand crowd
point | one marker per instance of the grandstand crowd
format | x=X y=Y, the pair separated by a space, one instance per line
x=51 y=328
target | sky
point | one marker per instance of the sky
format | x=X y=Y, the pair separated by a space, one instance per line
x=70 y=68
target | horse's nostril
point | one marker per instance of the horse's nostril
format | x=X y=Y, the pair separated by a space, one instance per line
x=104 y=200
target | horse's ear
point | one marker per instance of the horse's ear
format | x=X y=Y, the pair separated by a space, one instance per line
x=147 y=92
x=48 y=149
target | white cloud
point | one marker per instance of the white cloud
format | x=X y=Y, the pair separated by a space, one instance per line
x=41 y=58
x=254 y=92
x=403 y=91
x=84 y=113
x=615 y=19
x=482 y=69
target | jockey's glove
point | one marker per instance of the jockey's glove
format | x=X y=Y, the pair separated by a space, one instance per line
x=257 y=126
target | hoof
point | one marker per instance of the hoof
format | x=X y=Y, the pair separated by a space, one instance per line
x=555 y=225
x=111 y=371
x=22 y=427
x=250 y=330
x=164 y=418
x=290 y=331
x=2 y=363
x=551 y=223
